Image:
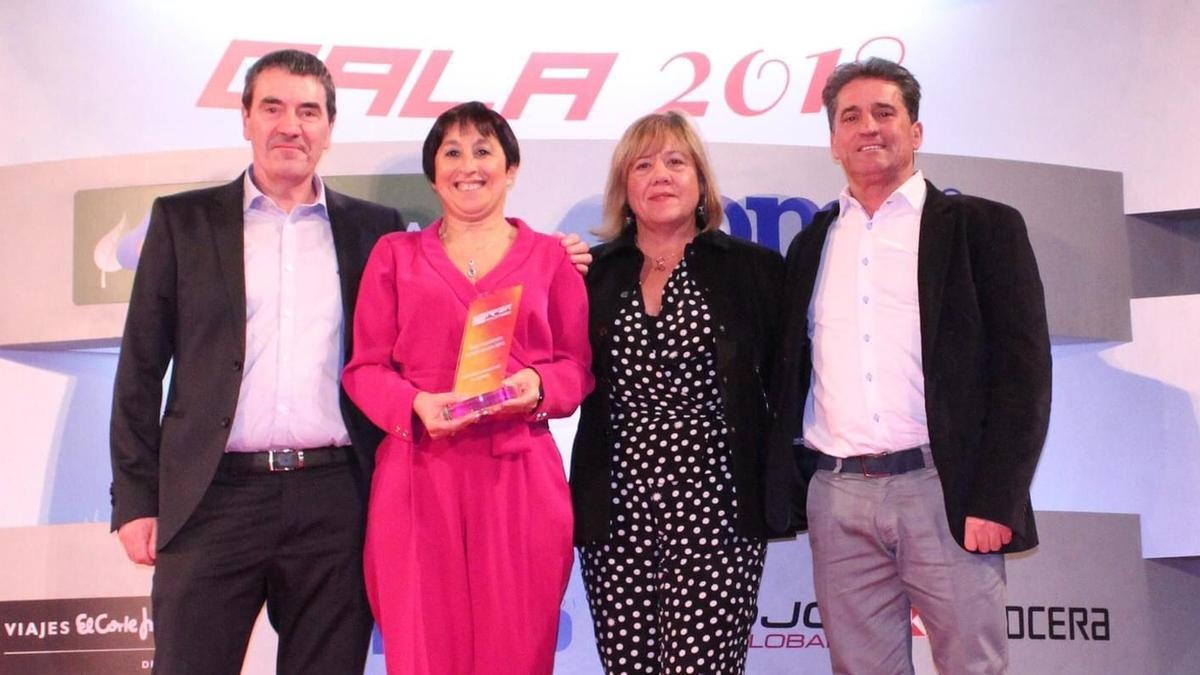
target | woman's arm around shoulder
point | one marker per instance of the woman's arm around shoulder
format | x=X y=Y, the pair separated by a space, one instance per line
x=566 y=378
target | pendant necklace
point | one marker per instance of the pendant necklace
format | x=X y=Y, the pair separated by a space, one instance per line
x=664 y=262
x=471 y=273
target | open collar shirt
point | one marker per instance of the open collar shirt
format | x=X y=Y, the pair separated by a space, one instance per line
x=289 y=396
x=868 y=387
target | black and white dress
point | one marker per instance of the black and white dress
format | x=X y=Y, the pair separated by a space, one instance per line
x=674 y=589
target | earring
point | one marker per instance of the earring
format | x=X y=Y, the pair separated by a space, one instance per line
x=628 y=219
x=701 y=214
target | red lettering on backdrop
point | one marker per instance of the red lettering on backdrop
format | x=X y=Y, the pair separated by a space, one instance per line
x=735 y=85
x=585 y=90
x=535 y=79
x=701 y=67
x=419 y=103
x=386 y=85
x=826 y=62
x=898 y=57
x=216 y=93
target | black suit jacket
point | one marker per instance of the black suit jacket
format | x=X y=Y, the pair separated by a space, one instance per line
x=985 y=351
x=741 y=282
x=188 y=306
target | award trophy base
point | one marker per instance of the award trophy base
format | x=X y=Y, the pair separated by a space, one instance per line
x=472 y=405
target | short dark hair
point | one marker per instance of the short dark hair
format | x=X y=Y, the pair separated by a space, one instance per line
x=486 y=121
x=295 y=62
x=873 y=68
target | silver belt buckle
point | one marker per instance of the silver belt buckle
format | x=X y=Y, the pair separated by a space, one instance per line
x=285 y=460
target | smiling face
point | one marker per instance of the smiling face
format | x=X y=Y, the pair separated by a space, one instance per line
x=873 y=137
x=287 y=126
x=663 y=188
x=470 y=177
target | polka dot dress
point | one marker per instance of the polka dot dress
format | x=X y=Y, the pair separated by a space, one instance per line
x=674 y=589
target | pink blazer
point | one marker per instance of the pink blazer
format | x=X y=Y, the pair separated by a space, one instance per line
x=408 y=327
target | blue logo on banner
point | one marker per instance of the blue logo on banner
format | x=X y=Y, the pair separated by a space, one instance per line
x=564 y=631
x=775 y=220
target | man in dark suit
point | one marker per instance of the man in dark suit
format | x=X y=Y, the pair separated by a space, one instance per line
x=915 y=388
x=252 y=487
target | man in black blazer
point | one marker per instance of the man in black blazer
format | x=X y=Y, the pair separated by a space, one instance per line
x=914 y=388
x=252 y=486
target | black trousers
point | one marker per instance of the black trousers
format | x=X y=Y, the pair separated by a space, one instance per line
x=292 y=540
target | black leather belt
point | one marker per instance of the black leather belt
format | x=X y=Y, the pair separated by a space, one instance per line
x=872 y=466
x=286 y=459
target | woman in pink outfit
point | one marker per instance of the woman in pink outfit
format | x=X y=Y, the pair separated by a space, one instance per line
x=468 y=544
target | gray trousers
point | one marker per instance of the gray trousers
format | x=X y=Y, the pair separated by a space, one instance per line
x=881 y=546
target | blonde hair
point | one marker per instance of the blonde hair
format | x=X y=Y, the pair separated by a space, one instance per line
x=647 y=134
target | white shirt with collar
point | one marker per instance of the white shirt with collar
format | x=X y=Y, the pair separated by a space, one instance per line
x=868 y=387
x=290 y=389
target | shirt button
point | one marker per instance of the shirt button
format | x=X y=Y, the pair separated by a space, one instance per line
x=870 y=225
x=875 y=417
x=866 y=300
x=866 y=338
x=869 y=377
x=866 y=262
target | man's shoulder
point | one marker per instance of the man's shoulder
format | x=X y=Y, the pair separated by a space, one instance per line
x=360 y=207
x=205 y=195
x=811 y=232
x=822 y=219
x=978 y=207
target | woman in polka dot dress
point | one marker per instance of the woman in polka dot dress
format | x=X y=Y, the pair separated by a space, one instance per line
x=666 y=472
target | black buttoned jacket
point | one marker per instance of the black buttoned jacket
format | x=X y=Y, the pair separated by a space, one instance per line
x=742 y=283
x=985 y=356
x=188 y=308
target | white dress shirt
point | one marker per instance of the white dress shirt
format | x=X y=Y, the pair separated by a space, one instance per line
x=290 y=377
x=868 y=389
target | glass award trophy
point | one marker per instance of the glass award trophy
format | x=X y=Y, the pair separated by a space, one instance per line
x=486 y=343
